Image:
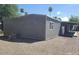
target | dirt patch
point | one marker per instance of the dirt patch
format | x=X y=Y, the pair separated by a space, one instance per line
x=57 y=46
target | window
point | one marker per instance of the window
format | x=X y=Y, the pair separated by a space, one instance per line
x=51 y=25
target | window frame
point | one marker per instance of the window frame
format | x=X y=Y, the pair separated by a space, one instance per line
x=51 y=25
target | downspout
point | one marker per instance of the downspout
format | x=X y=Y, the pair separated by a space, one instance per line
x=45 y=28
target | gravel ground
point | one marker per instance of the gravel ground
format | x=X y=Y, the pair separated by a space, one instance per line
x=57 y=46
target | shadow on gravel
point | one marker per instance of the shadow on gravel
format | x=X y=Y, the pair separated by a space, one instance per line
x=19 y=40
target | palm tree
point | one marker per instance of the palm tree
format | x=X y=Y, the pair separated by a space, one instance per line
x=50 y=10
x=22 y=10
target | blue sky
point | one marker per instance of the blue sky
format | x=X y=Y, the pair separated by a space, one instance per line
x=61 y=10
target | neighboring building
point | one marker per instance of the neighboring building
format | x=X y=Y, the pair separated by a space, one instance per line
x=34 y=26
x=68 y=28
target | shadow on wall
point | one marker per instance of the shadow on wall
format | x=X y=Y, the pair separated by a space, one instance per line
x=19 y=40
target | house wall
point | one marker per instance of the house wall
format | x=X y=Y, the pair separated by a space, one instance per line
x=52 y=33
x=27 y=26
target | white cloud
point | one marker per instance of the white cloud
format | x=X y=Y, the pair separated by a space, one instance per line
x=64 y=18
x=58 y=12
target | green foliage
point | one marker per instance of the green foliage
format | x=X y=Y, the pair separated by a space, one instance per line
x=74 y=19
x=8 y=10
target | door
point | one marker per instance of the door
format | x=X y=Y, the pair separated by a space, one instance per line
x=63 y=30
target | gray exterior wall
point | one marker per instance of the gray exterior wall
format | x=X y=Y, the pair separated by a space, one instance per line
x=28 y=26
x=52 y=33
x=32 y=26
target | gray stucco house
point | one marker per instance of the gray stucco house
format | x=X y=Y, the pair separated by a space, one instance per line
x=34 y=26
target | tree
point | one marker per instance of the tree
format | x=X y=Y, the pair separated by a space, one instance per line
x=8 y=10
x=22 y=11
x=50 y=10
x=74 y=19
